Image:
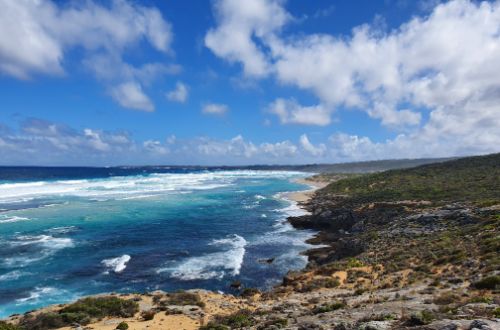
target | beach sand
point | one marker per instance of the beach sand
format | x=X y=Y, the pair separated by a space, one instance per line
x=303 y=196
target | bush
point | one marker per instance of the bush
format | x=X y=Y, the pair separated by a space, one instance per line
x=273 y=324
x=82 y=312
x=182 y=298
x=488 y=283
x=378 y=317
x=328 y=308
x=212 y=326
x=422 y=318
x=240 y=319
x=148 y=315
x=8 y=326
x=102 y=306
x=122 y=326
x=353 y=263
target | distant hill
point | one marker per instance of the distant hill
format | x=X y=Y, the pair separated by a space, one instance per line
x=475 y=179
x=354 y=167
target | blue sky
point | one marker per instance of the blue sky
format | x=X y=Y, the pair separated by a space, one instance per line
x=260 y=81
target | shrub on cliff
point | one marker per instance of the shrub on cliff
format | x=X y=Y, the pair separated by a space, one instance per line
x=122 y=326
x=182 y=298
x=8 y=326
x=240 y=319
x=421 y=318
x=488 y=283
x=81 y=312
x=328 y=308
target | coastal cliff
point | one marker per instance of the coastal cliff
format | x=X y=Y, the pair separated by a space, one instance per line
x=402 y=249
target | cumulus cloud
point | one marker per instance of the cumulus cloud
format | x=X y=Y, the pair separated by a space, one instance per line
x=40 y=142
x=130 y=95
x=179 y=94
x=215 y=109
x=238 y=23
x=156 y=147
x=290 y=112
x=36 y=35
x=310 y=148
x=436 y=77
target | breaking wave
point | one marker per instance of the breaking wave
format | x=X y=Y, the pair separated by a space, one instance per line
x=117 y=265
x=213 y=265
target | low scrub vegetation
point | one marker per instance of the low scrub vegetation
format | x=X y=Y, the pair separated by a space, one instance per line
x=82 y=312
x=240 y=319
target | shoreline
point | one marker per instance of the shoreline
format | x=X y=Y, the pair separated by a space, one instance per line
x=296 y=198
x=303 y=196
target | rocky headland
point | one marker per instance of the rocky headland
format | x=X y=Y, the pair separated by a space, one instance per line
x=402 y=249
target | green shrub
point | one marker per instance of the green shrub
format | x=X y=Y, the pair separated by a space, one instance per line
x=353 y=263
x=481 y=299
x=328 y=308
x=182 y=298
x=8 y=326
x=43 y=321
x=240 y=319
x=122 y=326
x=275 y=323
x=378 y=317
x=82 y=312
x=102 y=306
x=421 y=318
x=212 y=326
x=488 y=283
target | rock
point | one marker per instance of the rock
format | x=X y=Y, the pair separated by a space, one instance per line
x=375 y=325
x=479 y=325
x=450 y=326
x=267 y=261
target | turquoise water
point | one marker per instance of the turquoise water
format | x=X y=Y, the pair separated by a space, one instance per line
x=61 y=239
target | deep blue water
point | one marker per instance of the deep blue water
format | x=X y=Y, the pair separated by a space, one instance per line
x=66 y=233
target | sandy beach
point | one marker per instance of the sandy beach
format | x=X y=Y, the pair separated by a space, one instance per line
x=304 y=195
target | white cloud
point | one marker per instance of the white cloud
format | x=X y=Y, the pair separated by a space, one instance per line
x=130 y=95
x=155 y=147
x=95 y=140
x=436 y=78
x=239 y=22
x=310 y=148
x=214 y=109
x=179 y=94
x=290 y=112
x=39 y=142
x=36 y=35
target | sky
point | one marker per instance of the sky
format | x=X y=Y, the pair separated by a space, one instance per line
x=230 y=82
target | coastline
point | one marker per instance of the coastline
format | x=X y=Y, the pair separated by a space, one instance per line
x=359 y=280
x=303 y=196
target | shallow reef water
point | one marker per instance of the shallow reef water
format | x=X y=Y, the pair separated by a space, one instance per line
x=65 y=237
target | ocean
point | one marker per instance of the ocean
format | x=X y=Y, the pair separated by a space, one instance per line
x=67 y=233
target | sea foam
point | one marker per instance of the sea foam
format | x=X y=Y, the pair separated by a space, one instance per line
x=35 y=248
x=213 y=265
x=117 y=265
x=7 y=219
